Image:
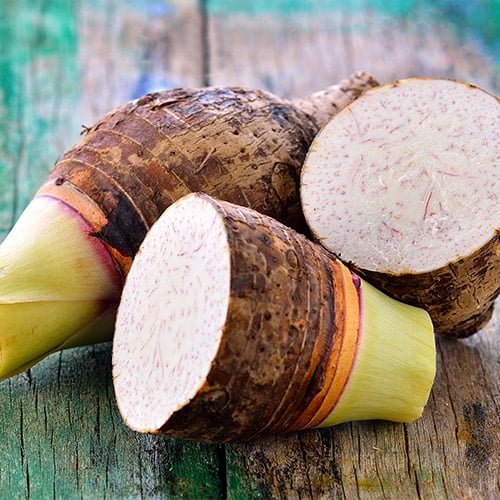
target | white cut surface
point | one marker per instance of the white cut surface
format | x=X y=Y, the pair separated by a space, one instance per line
x=406 y=178
x=171 y=315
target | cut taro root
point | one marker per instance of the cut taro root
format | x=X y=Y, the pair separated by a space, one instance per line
x=233 y=326
x=404 y=186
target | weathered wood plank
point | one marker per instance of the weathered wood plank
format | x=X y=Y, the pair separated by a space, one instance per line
x=294 y=48
x=62 y=437
x=38 y=85
x=127 y=51
x=453 y=450
x=63 y=64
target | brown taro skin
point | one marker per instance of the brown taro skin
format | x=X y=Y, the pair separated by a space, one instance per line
x=242 y=145
x=280 y=329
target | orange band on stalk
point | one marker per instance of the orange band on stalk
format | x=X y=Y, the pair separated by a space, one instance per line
x=88 y=210
x=341 y=359
x=77 y=200
x=348 y=349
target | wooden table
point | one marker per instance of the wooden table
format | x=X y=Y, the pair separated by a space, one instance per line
x=63 y=64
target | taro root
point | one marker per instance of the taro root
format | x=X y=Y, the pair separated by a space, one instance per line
x=90 y=216
x=233 y=326
x=404 y=186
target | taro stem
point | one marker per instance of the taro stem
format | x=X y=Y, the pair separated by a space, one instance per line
x=58 y=286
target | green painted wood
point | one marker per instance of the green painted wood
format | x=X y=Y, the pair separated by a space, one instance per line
x=38 y=83
x=63 y=64
x=298 y=47
x=65 y=439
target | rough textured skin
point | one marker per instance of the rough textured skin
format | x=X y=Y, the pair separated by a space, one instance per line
x=470 y=282
x=242 y=145
x=326 y=103
x=282 y=288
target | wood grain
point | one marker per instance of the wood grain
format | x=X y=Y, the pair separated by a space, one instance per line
x=296 y=53
x=64 y=63
x=453 y=450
